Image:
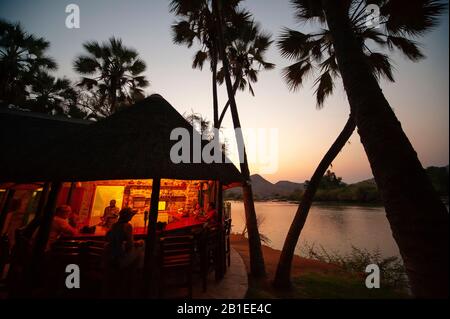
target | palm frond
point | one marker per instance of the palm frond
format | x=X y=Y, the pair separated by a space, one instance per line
x=408 y=47
x=308 y=10
x=86 y=65
x=325 y=86
x=137 y=67
x=296 y=73
x=199 y=59
x=183 y=34
x=412 y=17
x=94 y=48
x=292 y=43
x=381 y=65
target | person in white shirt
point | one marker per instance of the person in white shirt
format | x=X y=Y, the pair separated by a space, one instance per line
x=60 y=225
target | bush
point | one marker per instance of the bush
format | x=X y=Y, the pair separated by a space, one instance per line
x=392 y=271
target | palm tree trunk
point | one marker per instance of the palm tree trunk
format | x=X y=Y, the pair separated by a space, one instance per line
x=283 y=273
x=113 y=95
x=225 y=108
x=418 y=218
x=214 y=88
x=257 y=267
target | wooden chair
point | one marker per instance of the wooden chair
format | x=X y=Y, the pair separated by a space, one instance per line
x=209 y=252
x=176 y=257
x=88 y=255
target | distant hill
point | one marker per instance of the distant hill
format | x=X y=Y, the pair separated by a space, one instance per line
x=263 y=189
x=361 y=191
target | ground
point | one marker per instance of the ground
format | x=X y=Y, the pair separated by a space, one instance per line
x=310 y=278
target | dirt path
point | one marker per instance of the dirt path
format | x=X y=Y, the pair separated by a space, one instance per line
x=271 y=257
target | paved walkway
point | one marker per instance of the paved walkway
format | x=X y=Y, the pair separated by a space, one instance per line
x=233 y=286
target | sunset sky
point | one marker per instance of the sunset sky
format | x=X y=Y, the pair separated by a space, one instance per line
x=420 y=96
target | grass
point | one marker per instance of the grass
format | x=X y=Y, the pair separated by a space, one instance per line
x=324 y=286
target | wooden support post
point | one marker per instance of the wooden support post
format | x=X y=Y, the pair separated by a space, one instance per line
x=43 y=234
x=219 y=206
x=151 y=262
x=4 y=240
x=29 y=229
x=73 y=185
x=47 y=219
x=5 y=209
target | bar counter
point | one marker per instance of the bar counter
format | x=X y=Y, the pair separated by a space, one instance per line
x=183 y=224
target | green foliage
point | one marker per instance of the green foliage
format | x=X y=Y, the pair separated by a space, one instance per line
x=360 y=192
x=334 y=286
x=230 y=195
x=331 y=181
x=392 y=271
x=330 y=285
x=332 y=189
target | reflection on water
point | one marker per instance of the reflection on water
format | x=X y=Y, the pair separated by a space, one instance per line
x=335 y=227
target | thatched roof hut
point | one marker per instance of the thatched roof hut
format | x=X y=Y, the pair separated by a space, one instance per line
x=133 y=143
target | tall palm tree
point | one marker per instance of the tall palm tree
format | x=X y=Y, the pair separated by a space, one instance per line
x=418 y=218
x=314 y=55
x=246 y=55
x=115 y=72
x=199 y=22
x=52 y=95
x=257 y=265
x=21 y=56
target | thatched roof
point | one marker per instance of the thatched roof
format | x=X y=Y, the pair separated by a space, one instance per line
x=134 y=143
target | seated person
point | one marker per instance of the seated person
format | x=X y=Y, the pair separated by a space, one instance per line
x=198 y=211
x=211 y=214
x=110 y=214
x=121 y=251
x=60 y=225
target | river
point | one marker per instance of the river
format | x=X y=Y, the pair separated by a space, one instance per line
x=334 y=227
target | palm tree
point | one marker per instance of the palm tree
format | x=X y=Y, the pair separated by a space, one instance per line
x=115 y=72
x=199 y=22
x=418 y=218
x=22 y=55
x=52 y=95
x=246 y=56
x=257 y=265
x=314 y=55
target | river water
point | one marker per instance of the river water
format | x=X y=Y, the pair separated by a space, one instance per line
x=334 y=227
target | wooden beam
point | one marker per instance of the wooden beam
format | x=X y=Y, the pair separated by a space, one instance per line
x=5 y=208
x=150 y=261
